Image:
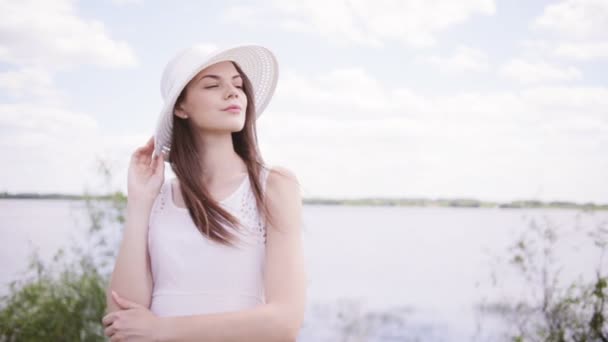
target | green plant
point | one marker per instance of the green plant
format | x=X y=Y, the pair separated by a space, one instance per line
x=64 y=306
x=551 y=311
x=65 y=300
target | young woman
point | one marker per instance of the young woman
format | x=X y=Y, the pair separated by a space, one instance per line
x=216 y=253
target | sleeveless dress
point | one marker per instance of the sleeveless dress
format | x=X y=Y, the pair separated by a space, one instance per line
x=195 y=275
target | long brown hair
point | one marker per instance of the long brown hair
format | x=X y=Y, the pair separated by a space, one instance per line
x=210 y=218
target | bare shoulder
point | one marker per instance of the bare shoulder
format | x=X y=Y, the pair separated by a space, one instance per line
x=282 y=183
x=284 y=199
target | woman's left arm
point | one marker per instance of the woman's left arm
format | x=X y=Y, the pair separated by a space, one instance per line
x=281 y=317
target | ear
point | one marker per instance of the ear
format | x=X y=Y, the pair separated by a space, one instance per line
x=180 y=112
x=180 y=108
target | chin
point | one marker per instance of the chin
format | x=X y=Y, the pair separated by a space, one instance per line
x=236 y=127
x=232 y=124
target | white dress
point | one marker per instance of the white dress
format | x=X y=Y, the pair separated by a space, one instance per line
x=195 y=275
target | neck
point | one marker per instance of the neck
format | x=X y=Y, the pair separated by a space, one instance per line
x=219 y=161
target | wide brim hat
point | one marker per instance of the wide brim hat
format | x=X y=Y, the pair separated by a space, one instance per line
x=258 y=63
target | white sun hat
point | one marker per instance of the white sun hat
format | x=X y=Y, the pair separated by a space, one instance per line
x=257 y=62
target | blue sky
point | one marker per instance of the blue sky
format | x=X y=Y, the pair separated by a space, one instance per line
x=494 y=100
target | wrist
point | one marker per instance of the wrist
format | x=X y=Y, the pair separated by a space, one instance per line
x=163 y=330
x=137 y=205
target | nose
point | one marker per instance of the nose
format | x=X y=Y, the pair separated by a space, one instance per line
x=232 y=92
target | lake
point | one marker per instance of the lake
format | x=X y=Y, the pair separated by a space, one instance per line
x=429 y=266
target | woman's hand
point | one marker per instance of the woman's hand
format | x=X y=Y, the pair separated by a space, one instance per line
x=146 y=175
x=133 y=322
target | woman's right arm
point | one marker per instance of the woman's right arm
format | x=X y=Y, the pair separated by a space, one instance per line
x=132 y=276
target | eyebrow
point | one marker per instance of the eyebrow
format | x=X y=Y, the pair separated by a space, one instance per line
x=217 y=77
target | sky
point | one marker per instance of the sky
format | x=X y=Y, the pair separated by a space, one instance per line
x=491 y=100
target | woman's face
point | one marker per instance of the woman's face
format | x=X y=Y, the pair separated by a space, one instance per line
x=209 y=94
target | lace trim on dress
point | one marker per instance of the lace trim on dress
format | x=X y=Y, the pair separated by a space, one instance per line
x=244 y=208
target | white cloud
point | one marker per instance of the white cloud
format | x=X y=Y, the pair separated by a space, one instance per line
x=557 y=99
x=242 y=14
x=578 y=30
x=42 y=143
x=537 y=72
x=29 y=125
x=345 y=93
x=52 y=35
x=579 y=51
x=462 y=60
x=207 y=47
x=344 y=131
x=583 y=51
x=367 y=23
x=575 y=18
x=127 y=2
x=537 y=138
x=49 y=147
x=31 y=85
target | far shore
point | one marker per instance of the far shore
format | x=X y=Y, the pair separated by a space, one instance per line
x=393 y=202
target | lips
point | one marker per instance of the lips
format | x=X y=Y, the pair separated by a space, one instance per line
x=232 y=108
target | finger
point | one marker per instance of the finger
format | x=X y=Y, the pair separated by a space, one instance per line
x=146 y=146
x=137 y=154
x=146 y=149
x=149 y=145
x=108 y=319
x=160 y=169
x=154 y=162
x=140 y=156
x=109 y=331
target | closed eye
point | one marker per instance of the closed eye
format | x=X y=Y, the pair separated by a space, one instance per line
x=215 y=86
